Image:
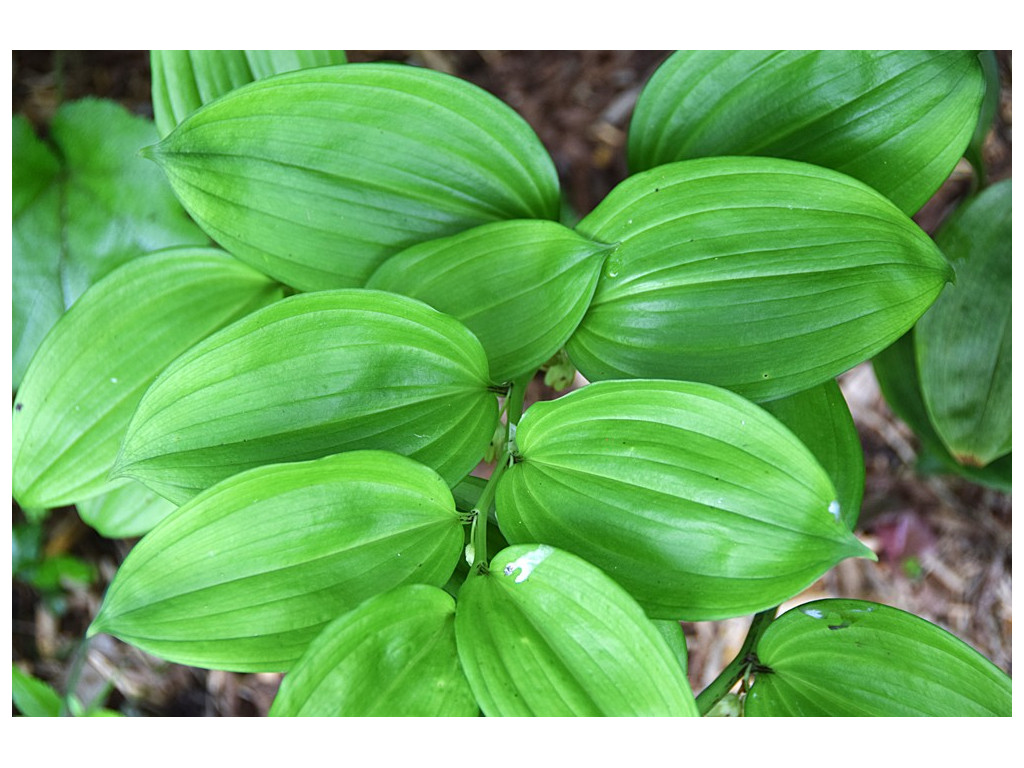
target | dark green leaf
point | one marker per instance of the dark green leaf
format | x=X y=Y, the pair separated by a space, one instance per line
x=850 y=658
x=963 y=342
x=318 y=176
x=521 y=286
x=896 y=371
x=91 y=370
x=78 y=218
x=185 y=80
x=247 y=574
x=699 y=503
x=393 y=656
x=822 y=420
x=897 y=120
x=544 y=633
x=760 y=275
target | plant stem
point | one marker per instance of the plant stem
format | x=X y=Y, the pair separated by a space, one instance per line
x=479 y=513
x=736 y=668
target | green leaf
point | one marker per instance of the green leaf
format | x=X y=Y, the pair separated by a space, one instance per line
x=127 y=511
x=185 y=80
x=83 y=205
x=897 y=120
x=32 y=696
x=393 y=656
x=318 y=176
x=896 y=371
x=849 y=658
x=312 y=375
x=963 y=342
x=91 y=370
x=247 y=574
x=521 y=286
x=702 y=505
x=546 y=634
x=989 y=107
x=760 y=275
x=821 y=419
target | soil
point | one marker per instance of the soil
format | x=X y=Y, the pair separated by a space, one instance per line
x=944 y=544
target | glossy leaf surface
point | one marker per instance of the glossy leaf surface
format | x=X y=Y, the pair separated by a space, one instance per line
x=897 y=120
x=699 y=503
x=317 y=176
x=546 y=634
x=127 y=511
x=393 y=656
x=963 y=343
x=185 y=80
x=821 y=419
x=84 y=203
x=850 y=658
x=896 y=370
x=91 y=370
x=247 y=574
x=312 y=375
x=521 y=286
x=760 y=275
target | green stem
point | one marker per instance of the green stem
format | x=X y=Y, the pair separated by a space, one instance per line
x=738 y=667
x=479 y=512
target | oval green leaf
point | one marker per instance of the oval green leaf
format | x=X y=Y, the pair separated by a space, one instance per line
x=546 y=634
x=963 y=342
x=247 y=574
x=127 y=511
x=849 y=658
x=185 y=80
x=316 y=177
x=895 y=368
x=702 y=505
x=393 y=656
x=312 y=375
x=760 y=275
x=91 y=370
x=897 y=120
x=521 y=286
x=821 y=419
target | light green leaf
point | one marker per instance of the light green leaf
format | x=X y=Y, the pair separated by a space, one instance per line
x=92 y=368
x=247 y=574
x=849 y=658
x=127 y=511
x=312 y=375
x=760 y=275
x=896 y=371
x=521 y=286
x=33 y=697
x=316 y=177
x=546 y=634
x=79 y=217
x=897 y=120
x=963 y=342
x=702 y=505
x=393 y=656
x=821 y=419
x=185 y=80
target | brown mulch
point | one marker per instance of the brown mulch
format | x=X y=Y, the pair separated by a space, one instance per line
x=944 y=544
